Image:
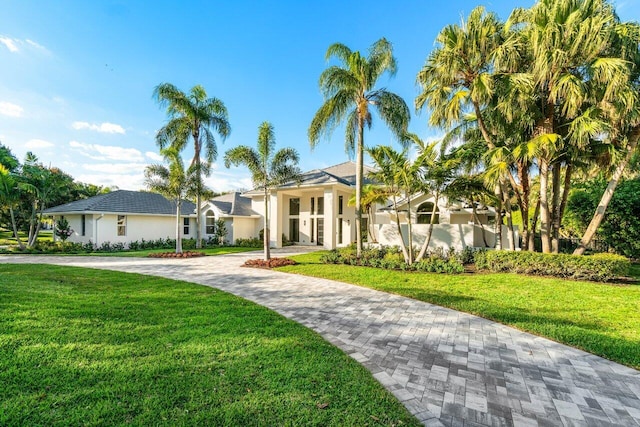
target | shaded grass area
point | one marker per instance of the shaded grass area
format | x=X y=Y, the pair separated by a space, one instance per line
x=91 y=347
x=6 y=236
x=599 y=318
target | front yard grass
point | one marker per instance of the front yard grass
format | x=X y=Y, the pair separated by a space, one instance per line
x=91 y=347
x=602 y=319
x=6 y=237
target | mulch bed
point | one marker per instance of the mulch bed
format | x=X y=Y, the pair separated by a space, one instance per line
x=187 y=254
x=272 y=263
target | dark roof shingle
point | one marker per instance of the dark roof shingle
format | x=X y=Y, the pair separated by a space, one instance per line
x=127 y=202
x=234 y=204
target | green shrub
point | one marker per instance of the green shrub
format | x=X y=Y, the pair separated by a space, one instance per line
x=252 y=242
x=391 y=258
x=599 y=267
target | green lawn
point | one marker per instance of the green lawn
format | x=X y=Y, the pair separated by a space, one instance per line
x=600 y=318
x=6 y=236
x=92 y=347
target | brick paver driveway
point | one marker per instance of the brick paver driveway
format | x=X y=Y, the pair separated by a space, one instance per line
x=446 y=367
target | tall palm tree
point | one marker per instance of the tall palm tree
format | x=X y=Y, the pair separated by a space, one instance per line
x=350 y=97
x=463 y=76
x=269 y=168
x=173 y=182
x=193 y=117
x=572 y=64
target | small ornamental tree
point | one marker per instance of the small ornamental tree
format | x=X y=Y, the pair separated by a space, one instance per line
x=63 y=231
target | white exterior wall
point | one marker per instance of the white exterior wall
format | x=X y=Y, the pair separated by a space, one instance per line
x=457 y=236
x=104 y=228
x=244 y=228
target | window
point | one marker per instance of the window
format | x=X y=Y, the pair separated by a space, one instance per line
x=122 y=225
x=294 y=230
x=210 y=223
x=313 y=206
x=340 y=202
x=424 y=214
x=313 y=229
x=84 y=224
x=294 y=206
x=185 y=229
x=340 y=231
x=320 y=205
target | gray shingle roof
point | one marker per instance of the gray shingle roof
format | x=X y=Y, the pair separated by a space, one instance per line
x=233 y=204
x=124 y=201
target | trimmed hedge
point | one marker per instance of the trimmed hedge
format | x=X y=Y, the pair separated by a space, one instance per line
x=599 y=267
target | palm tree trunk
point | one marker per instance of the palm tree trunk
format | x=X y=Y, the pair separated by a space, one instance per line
x=498 y=242
x=265 y=234
x=178 y=227
x=523 y=201
x=359 y=173
x=405 y=254
x=532 y=230
x=427 y=239
x=198 y=206
x=410 y=231
x=598 y=216
x=544 y=206
x=15 y=228
x=565 y=193
x=476 y=219
x=555 y=208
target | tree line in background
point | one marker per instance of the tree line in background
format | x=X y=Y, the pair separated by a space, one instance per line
x=536 y=110
x=28 y=188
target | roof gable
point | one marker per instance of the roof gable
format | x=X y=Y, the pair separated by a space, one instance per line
x=233 y=204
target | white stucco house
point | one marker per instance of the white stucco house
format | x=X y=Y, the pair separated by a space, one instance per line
x=312 y=210
x=454 y=224
x=240 y=220
x=124 y=216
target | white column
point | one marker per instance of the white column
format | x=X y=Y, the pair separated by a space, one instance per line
x=276 y=214
x=330 y=210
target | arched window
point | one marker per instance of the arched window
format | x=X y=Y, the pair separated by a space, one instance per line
x=210 y=222
x=424 y=213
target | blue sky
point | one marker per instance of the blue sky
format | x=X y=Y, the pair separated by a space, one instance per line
x=77 y=76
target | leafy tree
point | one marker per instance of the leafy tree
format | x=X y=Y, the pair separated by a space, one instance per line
x=173 y=182
x=620 y=228
x=9 y=197
x=269 y=168
x=350 y=98
x=193 y=117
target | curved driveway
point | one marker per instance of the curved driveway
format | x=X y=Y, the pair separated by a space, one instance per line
x=446 y=367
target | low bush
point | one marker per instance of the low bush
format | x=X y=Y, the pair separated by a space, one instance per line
x=599 y=267
x=252 y=242
x=391 y=258
x=269 y=263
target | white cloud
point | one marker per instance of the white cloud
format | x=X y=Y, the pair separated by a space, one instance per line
x=36 y=144
x=154 y=156
x=10 y=44
x=220 y=182
x=17 y=45
x=115 y=168
x=122 y=181
x=102 y=127
x=11 y=110
x=107 y=152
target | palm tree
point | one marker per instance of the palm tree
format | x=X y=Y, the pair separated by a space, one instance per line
x=463 y=76
x=350 y=96
x=371 y=195
x=194 y=117
x=269 y=168
x=172 y=182
x=575 y=73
